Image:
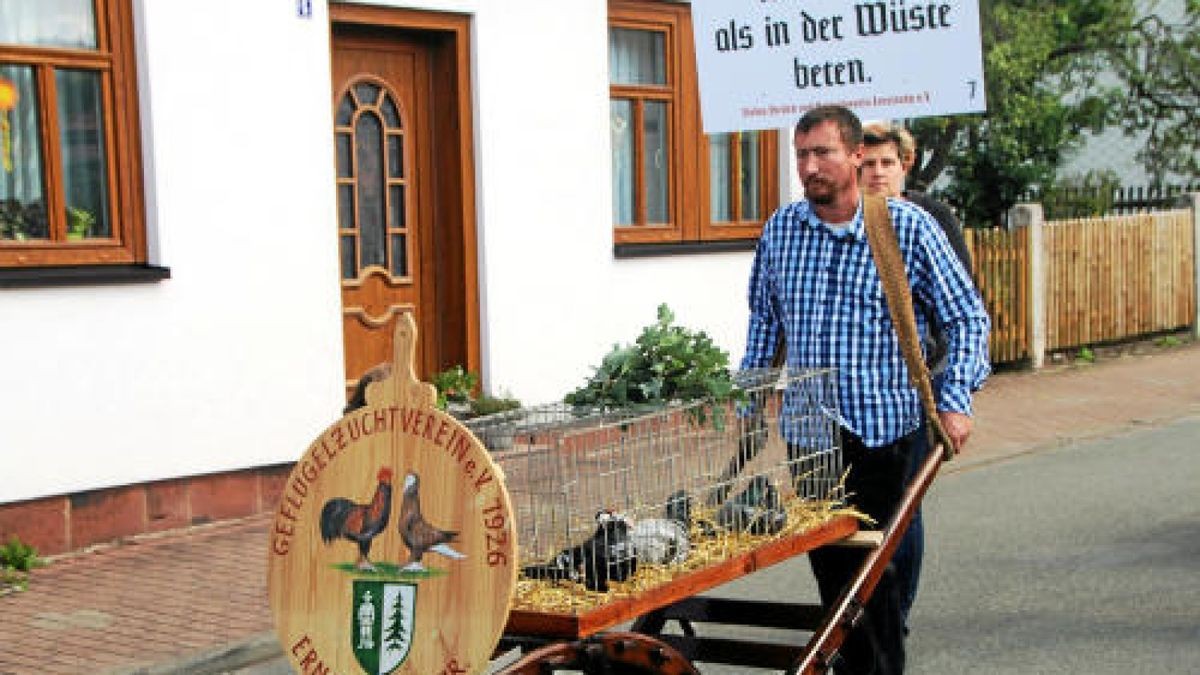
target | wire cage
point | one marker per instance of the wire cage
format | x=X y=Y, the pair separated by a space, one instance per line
x=610 y=503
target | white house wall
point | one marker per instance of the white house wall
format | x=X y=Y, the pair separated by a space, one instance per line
x=554 y=298
x=236 y=360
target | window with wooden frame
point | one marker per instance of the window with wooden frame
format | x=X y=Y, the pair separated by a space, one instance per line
x=671 y=182
x=70 y=171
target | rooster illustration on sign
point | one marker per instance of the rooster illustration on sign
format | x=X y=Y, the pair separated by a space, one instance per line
x=419 y=536
x=359 y=523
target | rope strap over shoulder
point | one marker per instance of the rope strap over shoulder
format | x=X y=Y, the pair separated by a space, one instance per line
x=885 y=250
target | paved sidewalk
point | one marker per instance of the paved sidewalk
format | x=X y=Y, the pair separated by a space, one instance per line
x=194 y=601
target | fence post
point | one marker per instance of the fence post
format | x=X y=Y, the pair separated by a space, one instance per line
x=1031 y=216
x=1191 y=200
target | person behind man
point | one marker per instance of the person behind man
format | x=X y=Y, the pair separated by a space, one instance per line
x=889 y=153
x=815 y=293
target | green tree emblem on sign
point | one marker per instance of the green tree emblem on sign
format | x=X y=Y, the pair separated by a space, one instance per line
x=382 y=616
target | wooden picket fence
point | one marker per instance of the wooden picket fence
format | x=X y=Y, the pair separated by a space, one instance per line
x=1001 y=267
x=1107 y=279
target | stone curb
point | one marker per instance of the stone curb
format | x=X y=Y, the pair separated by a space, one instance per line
x=231 y=657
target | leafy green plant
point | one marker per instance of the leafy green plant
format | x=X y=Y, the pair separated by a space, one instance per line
x=667 y=363
x=1168 y=341
x=17 y=559
x=490 y=405
x=454 y=385
x=79 y=222
x=1086 y=355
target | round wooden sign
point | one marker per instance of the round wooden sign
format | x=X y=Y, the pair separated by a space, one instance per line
x=394 y=547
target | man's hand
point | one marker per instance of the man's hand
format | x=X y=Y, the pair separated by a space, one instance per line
x=957 y=426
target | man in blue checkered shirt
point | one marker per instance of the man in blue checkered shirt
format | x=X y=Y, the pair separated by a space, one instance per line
x=815 y=292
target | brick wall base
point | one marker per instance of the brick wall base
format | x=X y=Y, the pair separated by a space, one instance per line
x=66 y=523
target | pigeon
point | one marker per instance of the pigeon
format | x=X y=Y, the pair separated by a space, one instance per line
x=679 y=507
x=608 y=555
x=661 y=541
x=419 y=536
x=756 y=510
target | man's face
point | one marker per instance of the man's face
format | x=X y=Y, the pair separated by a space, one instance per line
x=882 y=171
x=827 y=168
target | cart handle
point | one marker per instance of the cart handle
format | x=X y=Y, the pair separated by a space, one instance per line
x=821 y=649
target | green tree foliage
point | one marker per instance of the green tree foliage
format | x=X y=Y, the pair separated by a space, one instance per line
x=1160 y=69
x=1043 y=63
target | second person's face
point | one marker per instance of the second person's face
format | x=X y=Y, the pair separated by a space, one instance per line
x=882 y=171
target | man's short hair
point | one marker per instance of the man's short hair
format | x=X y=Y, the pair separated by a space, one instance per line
x=879 y=133
x=849 y=126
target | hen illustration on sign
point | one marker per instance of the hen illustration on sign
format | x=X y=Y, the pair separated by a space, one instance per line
x=763 y=64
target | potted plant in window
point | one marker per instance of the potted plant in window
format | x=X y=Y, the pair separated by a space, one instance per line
x=79 y=223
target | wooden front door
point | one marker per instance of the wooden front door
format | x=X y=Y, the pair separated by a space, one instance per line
x=401 y=242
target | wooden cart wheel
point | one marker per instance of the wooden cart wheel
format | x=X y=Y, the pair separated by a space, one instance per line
x=617 y=652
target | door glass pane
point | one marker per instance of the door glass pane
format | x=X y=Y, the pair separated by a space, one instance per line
x=719 y=163
x=391 y=116
x=345 y=162
x=349 y=268
x=22 y=192
x=636 y=57
x=751 y=176
x=621 y=117
x=345 y=198
x=657 y=162
x=395 y=156
x=396 y=200
x=399 y=255
x=345 y=111
x=85 y=167
x=367 y=93
x=368 y=140
x=48 y=23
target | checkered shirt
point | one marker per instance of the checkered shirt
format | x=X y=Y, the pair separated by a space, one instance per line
x=821 y=289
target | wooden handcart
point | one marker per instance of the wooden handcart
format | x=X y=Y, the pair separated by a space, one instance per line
x=403 y=536
x=590 y=644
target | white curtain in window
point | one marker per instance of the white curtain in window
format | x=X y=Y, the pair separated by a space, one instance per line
x=636 y=57
x=48 y=23
x=21 y=190
x=718 y=171
x=620 y=122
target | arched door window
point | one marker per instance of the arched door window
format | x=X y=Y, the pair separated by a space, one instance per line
x=372 y=199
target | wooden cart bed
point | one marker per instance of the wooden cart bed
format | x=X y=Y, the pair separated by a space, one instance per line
x=587 y=622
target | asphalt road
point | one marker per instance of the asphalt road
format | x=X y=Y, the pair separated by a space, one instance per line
x=1078 y=559
x=1083 y=558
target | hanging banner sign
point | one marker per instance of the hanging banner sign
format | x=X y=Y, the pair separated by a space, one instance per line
x=763 y=63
